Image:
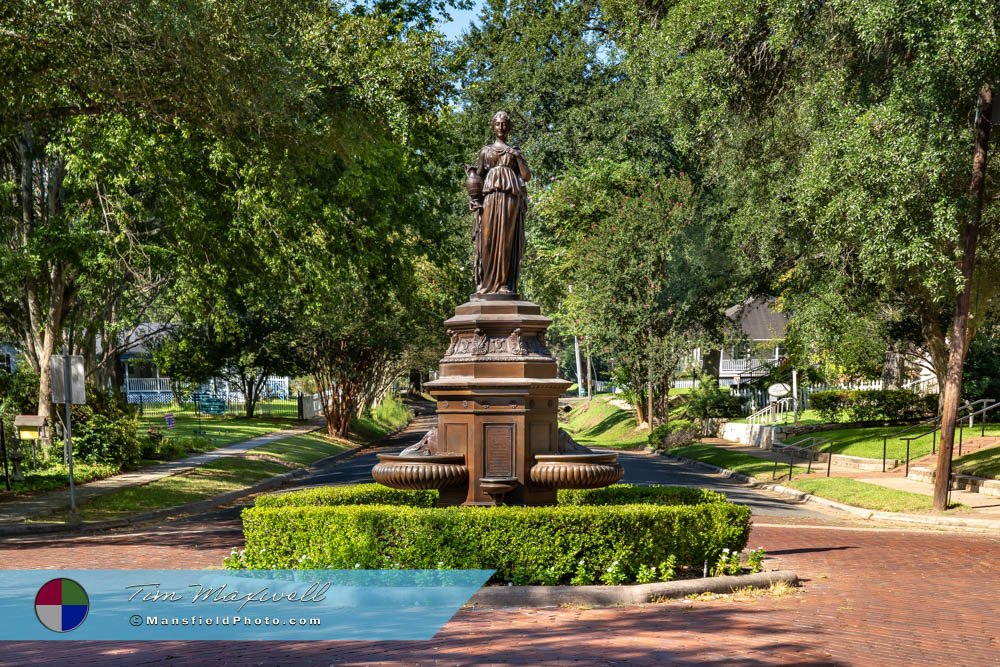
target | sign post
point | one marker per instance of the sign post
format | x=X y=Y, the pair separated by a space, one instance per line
x=67 y=388
x=795 y=396
x=3 y=447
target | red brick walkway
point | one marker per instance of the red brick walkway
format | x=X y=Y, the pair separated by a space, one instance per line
x=870 y=598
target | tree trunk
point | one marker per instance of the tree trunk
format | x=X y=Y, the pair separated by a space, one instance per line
x=961 y=324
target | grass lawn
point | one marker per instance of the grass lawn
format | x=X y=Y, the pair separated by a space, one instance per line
x=389 y=416
x=806 y=418
x=215 y=478
x=984 y=463
x=597 y=423
x=748 y=465
x=220 y=431
x=867 y=442
x=302 y=450
x=862 y=494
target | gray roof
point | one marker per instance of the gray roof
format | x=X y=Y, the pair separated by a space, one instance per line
x=757 y=320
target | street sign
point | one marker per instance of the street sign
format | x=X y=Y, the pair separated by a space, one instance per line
x=57 y=373
x=778 y=390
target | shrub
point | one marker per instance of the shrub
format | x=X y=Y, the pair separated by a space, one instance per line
x=871 y=404
x=354 y=494
x=708 y=401
x=106 y=430
x=676 y=433
x=526 y=545
x=626 y=494
x=829 y=404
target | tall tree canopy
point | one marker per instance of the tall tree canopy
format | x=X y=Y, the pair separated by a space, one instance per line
x=850 y=138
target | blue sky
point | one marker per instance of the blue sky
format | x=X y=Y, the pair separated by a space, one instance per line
x=460 y=20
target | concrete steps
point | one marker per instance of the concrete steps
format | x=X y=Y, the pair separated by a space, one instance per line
x=987 y=487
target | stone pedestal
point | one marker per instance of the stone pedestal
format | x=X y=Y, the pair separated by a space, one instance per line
x=498 y=397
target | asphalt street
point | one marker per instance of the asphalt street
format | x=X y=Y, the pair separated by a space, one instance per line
x=640 y=468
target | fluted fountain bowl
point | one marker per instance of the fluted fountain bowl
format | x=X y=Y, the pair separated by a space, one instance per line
x=576 y=471
x=437 y=471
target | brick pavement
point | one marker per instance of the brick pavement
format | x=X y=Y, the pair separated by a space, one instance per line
x=870 y=597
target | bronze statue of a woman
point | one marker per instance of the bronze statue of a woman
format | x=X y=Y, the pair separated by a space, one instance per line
x=498 y=199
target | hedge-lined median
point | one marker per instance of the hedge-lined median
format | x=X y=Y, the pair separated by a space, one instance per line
x=570 y=543
x=352 y=494
x=376 y=494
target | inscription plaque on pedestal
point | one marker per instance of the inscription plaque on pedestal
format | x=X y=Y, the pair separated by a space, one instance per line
x=498 y=441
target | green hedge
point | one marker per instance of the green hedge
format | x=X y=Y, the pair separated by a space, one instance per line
x=872 y=404
x=353 y=494
x=376 y=494
x=525 y=545
x=626 y=494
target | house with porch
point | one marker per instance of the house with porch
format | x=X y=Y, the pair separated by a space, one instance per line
x=763 y=329
x=143 y=382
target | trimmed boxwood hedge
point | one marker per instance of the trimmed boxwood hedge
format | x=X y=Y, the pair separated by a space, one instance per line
x=525 y=545
x=376 y=494
x=625 y=494
x=352 y=494
x=872 y=404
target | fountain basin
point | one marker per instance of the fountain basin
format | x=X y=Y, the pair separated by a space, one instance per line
x=437 y=471
x=576 y=471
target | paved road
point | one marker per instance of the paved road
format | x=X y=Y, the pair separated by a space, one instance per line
x=870 y=597
x=639 y=469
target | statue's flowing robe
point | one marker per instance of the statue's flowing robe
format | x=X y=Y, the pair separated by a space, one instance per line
x=500 y=242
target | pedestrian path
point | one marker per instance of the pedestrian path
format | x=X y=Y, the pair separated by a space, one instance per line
x=49 y=502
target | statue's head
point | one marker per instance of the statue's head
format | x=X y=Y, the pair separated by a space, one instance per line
x=501 y=124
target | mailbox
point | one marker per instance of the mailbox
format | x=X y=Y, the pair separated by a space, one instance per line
x=31 y=427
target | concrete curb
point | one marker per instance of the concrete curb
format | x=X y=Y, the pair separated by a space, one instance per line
x=499 y=597
x=189 y=508
x=875 y=515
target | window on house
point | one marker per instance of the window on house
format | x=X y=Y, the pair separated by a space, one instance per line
x=5 y=363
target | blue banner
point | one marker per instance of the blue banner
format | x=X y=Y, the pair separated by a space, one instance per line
x=232 y=604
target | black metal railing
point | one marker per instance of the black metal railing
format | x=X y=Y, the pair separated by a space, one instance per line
x=990 y=405
x=809 y=452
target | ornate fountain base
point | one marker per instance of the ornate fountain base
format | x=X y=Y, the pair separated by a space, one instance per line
x=497 y=401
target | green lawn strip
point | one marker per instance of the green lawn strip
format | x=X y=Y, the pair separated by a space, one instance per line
x=598 y=423
x=863 y=494
x=984 y=463
x=55 y=476
x=390 y=416
x=302 y=450
x=867 y=442
x=743 y=463
x=221 y=431
x=212 y=479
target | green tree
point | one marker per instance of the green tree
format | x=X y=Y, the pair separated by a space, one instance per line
x=649 y=282
x=842 y=135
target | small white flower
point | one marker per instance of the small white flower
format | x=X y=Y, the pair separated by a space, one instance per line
x=357 y=566
x=725 y=551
